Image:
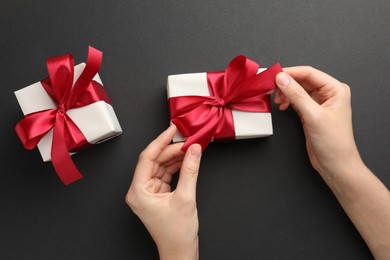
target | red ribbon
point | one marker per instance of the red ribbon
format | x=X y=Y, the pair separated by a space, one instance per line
x=66 y=135
x=239 y=87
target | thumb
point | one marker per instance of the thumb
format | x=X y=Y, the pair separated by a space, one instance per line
x=186 y=186
x=296 y=94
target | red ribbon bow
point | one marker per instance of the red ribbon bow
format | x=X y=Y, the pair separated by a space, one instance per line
x=66 y=135
x=200 y=118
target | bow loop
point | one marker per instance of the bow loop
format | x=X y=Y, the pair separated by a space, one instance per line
x=238 y=71
x=60 y=80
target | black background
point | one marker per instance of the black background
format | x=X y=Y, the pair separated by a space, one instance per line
x=257 y=199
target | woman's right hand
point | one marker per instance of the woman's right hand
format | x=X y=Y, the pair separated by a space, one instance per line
x=324 y=106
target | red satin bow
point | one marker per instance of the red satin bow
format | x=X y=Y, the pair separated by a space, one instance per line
x=200 y=118
x=66 y=135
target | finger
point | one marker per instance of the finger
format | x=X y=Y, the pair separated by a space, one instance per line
x=171 y=153
x=165 y=173
x=278 y=97
x=281 y=100
x=169 y=172
x=160 y=187
x=186 y=186
x=295 y=94
x=162 y=180
x=310 y=78
x=284 y=105
x=155 y=148
x=144 y=170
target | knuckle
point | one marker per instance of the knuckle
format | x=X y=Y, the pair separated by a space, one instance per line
x=309 y=68
x=310 y=71
x=346 y=87
x=131 y=200
x=142 y=156
x=346 y=90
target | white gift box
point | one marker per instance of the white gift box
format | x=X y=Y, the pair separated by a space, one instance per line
x=97 y=121
x=246 y=124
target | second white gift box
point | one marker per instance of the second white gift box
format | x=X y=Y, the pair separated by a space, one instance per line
x=96 y=121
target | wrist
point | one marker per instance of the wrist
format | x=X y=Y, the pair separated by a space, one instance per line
x=340 y=164
x=182 y=252
x=344 y=173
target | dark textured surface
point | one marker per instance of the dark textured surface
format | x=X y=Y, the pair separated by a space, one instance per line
x=257 y=199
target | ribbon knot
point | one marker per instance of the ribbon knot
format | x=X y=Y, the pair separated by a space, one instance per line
x=61 y=112
x=220 y=102
x=66 y=134
x=239 y=87
x=216 y=101
x=61 y=109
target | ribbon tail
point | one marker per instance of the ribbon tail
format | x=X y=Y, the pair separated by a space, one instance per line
x=63 y=164
x=203 y=137
x=206 y=129
x=267 y=77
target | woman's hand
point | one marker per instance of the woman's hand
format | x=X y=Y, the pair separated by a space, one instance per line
x=171 y=217
x=324 y=106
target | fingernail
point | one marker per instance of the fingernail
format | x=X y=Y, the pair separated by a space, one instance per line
x=282 y=79
x=196 y=151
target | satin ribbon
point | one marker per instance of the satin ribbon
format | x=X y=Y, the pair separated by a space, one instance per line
x=66 y=135
x=239 y=87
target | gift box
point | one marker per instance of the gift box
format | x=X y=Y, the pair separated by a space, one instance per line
x=91 y=116
x=247 y=124
x=237 y=98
